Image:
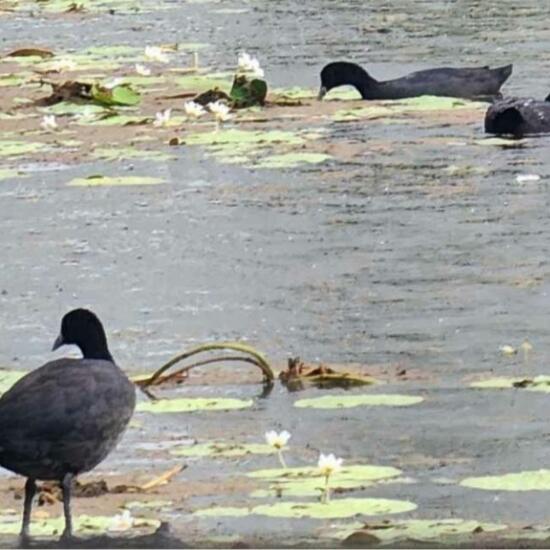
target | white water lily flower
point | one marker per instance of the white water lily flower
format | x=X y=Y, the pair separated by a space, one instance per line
x=193 y=109
x=142 y=70
x=249 y=64
x=526 y=178
x=162 y=118
x=48 y=123
x=508 y=350
x=277 y=440
x=328 y=464
x=122 y=522
x=219 y=110
x=154 y=53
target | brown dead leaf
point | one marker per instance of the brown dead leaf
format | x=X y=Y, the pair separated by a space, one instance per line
x=31 y=51
x=163 y=478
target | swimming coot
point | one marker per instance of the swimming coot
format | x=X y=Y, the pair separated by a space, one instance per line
x=518 y=116
x=466 y=82
x=66 y=416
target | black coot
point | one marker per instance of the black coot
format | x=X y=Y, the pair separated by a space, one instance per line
x=65 y=417
x=518 y=116
x=466 y=82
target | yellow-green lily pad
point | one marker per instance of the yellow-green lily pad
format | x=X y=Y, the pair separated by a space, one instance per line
x=8 y=378
x=125 y=153
x=18 y=148
x=8 y=173
x=191 y=404
x=307 y=481
x=84 y=524
x=222 y=449
x=336 y=508
x=234 y=136
x=530 y=480
x=416 y=529
x=347 y=401
x=291 y=160
x=117 y=181
x=539 y=383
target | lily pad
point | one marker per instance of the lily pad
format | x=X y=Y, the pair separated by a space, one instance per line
x=416 y=529
x=8 y=378
x=97 y=181
x=125 y=153
x=119 y=95
x=347 y=401
x=18 y=148
x=241 y=138
x=222 y=449
x=11 y=525
x=7 y=173
x=539 y=383
x=201 y=83
x=247 y=93
x=530 y=480
x=191 y=404
x=308 y=481
x=291 y=160
x=336 y=508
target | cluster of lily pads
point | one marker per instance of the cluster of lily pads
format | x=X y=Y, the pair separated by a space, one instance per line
x=327 y=464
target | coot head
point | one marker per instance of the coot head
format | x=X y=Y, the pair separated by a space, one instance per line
x=82 y=328
x=342 y=73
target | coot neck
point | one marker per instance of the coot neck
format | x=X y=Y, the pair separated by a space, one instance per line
x=95 y=347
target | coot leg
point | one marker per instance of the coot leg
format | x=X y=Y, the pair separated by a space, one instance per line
x=30 y=490
x=66 y=483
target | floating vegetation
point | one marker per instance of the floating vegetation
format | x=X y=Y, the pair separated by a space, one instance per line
x=348 y=401
x=193 y=404
x=83 y=524
x=411 y=529
x=533 y=480
x=114 y=181
x=220 y=449
x=20 y=148
x=291 y=160
x=251 y=356
x=540 y=383
x=337 y=508
x=308 y=481
x=299 y=375
x=9 y=377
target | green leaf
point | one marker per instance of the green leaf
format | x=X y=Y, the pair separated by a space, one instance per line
x=347 y=401
x=119 y=95
x=97 y=181
x=191 y=404
x=534 y=480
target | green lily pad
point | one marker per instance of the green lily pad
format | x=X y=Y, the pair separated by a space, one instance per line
x=109 y=119
x=222 y=449
x=19 y=148
x=416 y=529
x=539 y=383
x=96 y=181
x=191 y=404
x=73 y=108
x=202 y=83
x=533 y=480
x=308 y=481
x=291 y=160
x=347 y=401
x=11 y=525
x=7 y=173
x=336 y=508
x=125 y=153
x=119 y=95
x=241 y=138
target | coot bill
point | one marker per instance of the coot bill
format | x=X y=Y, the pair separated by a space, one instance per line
x=65 y=417
x=466 y=82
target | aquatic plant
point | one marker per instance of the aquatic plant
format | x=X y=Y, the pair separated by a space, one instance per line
x=278 y=441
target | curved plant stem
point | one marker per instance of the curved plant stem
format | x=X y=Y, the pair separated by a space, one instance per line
x=281 y=458
x=256 y=358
